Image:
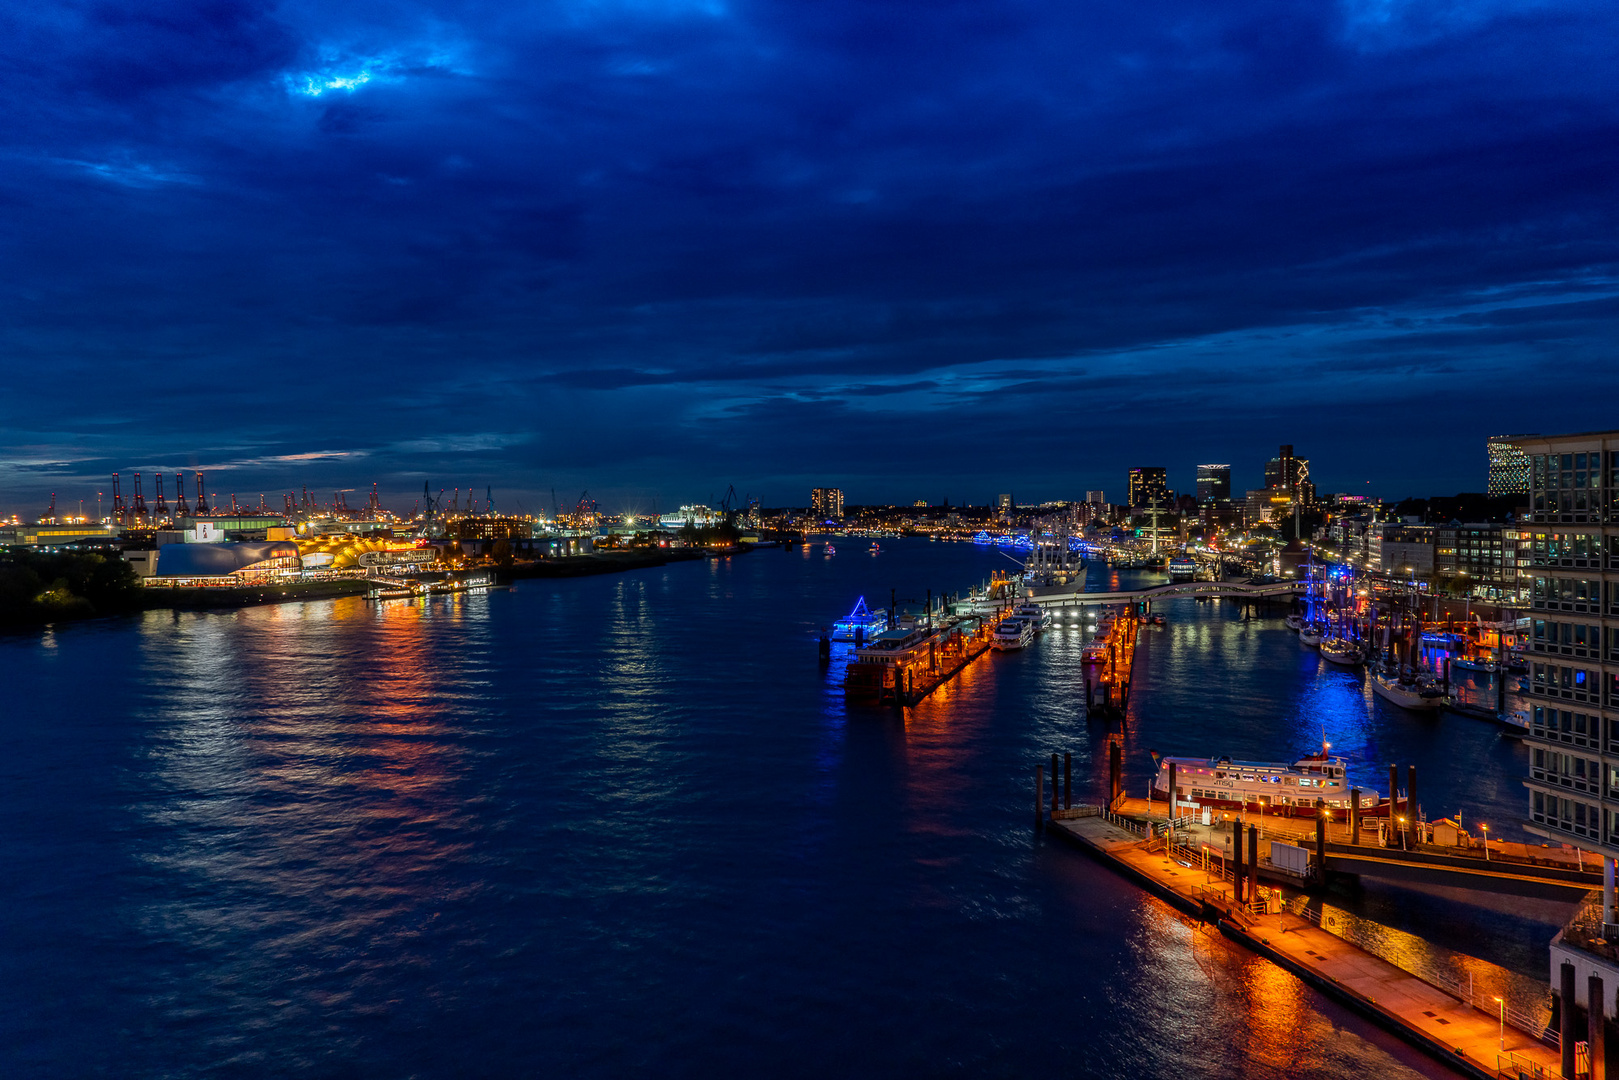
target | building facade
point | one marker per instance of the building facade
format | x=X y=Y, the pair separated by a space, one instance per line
x=1573 y=552
x=1213 y=483
x=1292 y=475
x=827 y=504
x=1406 y=551
x=1509 y=467
x=1149 y=484
x=1477 y=560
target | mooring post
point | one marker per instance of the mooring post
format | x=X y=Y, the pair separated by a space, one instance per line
x=1067 y=781
x=1596 y=1014
x=1039 y=796
x=1115 y=773
x=1394 y=798
x=1236 y=861
x=1565 y=1017
x=1354 y=815
x=1172 y=802
x=1253 y=863
x=1055 y=792
x=1321 y=841
x=1411 y=798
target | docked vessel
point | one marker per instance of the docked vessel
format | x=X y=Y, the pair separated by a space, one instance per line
x=1310 y=634
x=1013 y=632
x=1294 y=622
x=1408 y=691
x=861 y=624
x=1340 y=650
x=1182 y=568
x=1475 y=663
x=1288 y=789
x=1034 y=614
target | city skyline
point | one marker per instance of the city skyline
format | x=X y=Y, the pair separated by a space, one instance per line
x=655 y=250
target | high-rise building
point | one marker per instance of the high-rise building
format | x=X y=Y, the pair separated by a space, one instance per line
x=1509 y=467
x=1096 y=498
x=1291 y=474
x=1213 y=483
x=1149 y=484
x=826 y=504
x=1003 y=502
x=1573 y=573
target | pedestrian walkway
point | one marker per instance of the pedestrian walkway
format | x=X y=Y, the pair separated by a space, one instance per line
x=1473 y=1041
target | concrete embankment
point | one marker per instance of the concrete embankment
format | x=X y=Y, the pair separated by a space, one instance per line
x=1453 y=1031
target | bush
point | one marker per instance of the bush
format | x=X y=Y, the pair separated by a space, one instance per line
x=37 y=587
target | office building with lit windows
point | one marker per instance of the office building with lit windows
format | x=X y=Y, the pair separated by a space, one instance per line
x=1509 y=467
x=826 y=504
x=1149 y=485
x=1213 y=483
x=1573 y=575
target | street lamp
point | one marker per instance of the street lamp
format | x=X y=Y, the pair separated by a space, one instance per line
x=1486 y=829
x=1402 y=833
x=1502 y=1036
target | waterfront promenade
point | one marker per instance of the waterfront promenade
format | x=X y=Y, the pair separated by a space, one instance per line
x=1466 y=1038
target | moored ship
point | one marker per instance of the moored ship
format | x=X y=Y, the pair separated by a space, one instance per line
x=1271 y=786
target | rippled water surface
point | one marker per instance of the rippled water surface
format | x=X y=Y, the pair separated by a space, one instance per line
x=611 y=825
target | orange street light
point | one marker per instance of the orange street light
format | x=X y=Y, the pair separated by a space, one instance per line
x=1502 y=1037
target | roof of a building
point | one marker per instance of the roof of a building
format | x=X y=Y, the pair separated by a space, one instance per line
x=217 y=560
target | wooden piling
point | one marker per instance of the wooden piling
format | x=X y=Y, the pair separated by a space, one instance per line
x=1595 y=1020
x=1253 y=863
x=1055 y=793
x=1321 y=841
x=1067 y=781
x=1565 y=1017
x=1115 y=772
x=1411 y=797
x=1354 y=815
x=1394 y=798
x=1236 y=861
x=1039 y=796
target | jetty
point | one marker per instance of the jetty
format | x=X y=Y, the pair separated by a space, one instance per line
x=1484 y=1039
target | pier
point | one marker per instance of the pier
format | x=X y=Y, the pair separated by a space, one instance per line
x=1480 y=1039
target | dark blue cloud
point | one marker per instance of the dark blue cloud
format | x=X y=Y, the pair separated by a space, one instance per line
x=659 y=247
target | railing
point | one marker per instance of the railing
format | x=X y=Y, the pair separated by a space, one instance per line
x=1484 y=1003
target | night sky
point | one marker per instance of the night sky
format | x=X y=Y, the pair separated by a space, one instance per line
x=912 y=250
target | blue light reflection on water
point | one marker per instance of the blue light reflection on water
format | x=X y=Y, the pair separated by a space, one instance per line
x=591 y=827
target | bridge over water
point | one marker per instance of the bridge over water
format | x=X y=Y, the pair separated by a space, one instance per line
x=1059 y=596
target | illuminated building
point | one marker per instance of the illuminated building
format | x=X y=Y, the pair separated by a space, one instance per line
x=1213 y=483
x=1149 y=485
x=1509 y=467
x=1292 y=475
x=826 y=503
x=1574 y=641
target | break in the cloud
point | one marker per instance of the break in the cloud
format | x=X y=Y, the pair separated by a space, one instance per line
x=662 y=247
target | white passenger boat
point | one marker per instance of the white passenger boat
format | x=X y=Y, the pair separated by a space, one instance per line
x=1034 y=613
x=1310 y=634
x=1341 y=650
x=1418 y=693
x=1475 y=663
x=1272 y=786
x=1013 y=632
x=1294 y=622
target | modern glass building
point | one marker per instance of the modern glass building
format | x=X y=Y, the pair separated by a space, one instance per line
x=1509 y=467
x=1573 y=555
x=1213 y=483
x=1149 y=484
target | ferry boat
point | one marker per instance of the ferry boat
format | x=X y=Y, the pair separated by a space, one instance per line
x=1013 y=632
x=1340 y=650
x=1034 y=614
x=829 y=551
x=1270 y=785
x=861 y=624
x=1408 y=691
x=1182 y=568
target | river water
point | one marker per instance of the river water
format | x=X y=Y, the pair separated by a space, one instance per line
x=621 y=824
